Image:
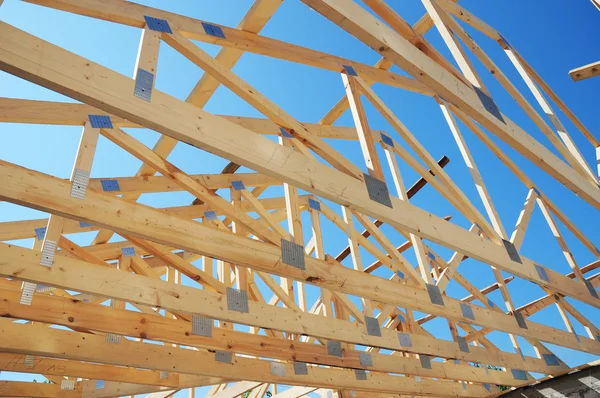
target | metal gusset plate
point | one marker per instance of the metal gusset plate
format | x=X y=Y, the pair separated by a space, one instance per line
x=372 y=325
x=551 y=359
x=202 y=326
x=210 y=215
x=278 y=369
x=378 y=190
x=110 y=185
x=80 y=182
x=512 y=251
x=350 y=71
x=164 y=375
x=28 y=361
x=27 y=291
x=404 y=339
x=157 y=24
x=541 y=271
x=112 y=338
x=292 y=254
x=144 y=81
x=519 y=374
x=100 y=384
x=48 y=251
x=224 y=356
x=361 y=374
x=365 y=358
x=489 y=104
x=237 y=300
x=213 y=30
x=467 y=311
x=128 y=251
x=435 y=295
x=300 y=368
x=83 y=224
x=67 y=385
x=425 y=361
x=462 y=344
x=334 y=348
x=520 y=320
x=100 y=121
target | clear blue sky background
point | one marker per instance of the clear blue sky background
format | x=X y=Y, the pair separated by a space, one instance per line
x=554 y=37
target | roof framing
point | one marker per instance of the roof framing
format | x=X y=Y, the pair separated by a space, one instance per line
x=248 y=320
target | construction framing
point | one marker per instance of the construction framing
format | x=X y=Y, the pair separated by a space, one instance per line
x=243 y=322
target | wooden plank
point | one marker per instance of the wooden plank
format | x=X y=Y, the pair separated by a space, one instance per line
x=585 y=71
x=72 y=313
x=133 y=15
x=14 y=363
x=94 y=348
x=16 y=110
x=39 y=390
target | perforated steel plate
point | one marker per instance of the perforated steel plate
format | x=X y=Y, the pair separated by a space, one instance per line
x=350 y=70
x=277 y=369
x=27 y=291
x=213 y=30
x=113 y=338
x=224 y=356
x=238 y=185
x=361 y=374
x=512 y=251
x=425 y=361
x=237 y=300
x=202 y=326
x=542 y=273
x=28 y=361
x=164 y=375
x=489 y=104
x=334 y=348
x=110 y=185
x=313 y=204
x=44 y=288
x=157 y=24
x=520 y=320
x=372 y=325
x=387 y=140
x=128 y=251
x=210 y=215
x=462 y=344
x=467 y=311
x=67 y=385
x=48 y=251
x=378 y=190
x=591 y=289
x=292 y=254
x=417 y=378
x=551 y=359
x=300 y=368
x=79 y=184
x=365 y=358
x=519 y=374
x=435 y=296
x=144 y=81
x=404 y=339
x=285 y=133
x=100 y=121
x=40 y=233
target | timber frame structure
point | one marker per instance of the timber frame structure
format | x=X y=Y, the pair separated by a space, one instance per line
x=127 y=325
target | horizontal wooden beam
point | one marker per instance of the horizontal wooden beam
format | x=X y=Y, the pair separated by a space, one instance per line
x=20 y=54
x=51 y=194
x=585 y=72
x=132 y=14
x=14 y=363
x=38 y=390
x=38 y=340
x=14 y=110
x=70 y=313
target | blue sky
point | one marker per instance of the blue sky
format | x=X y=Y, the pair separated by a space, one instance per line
x=553 y=39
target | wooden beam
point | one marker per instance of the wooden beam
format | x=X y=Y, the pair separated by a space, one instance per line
x=351 y=17
x=585 y=72
x=72 y=345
